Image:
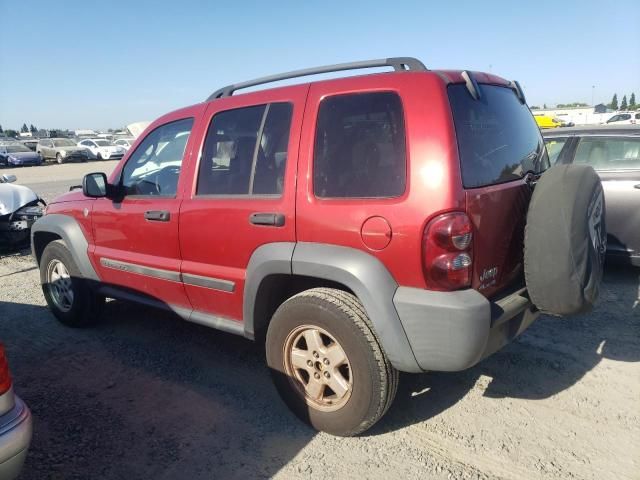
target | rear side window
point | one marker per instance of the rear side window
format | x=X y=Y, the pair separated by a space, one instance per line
x=608 y=153
x=554 y=147
x=245 y=152
x=360 y=147
x=498 y=139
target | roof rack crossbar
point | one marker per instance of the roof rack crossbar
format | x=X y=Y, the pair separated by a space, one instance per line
x=399 y=64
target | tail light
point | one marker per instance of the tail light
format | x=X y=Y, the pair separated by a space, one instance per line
x=5 y=378
x=447 y=254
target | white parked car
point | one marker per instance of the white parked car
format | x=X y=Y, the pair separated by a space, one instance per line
x=125 y=142
x=103 y=149
x=625 y=118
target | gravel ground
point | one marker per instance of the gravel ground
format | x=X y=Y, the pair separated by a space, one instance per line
x=146 y=395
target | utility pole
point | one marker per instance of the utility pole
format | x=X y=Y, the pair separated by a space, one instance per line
x=593 y=88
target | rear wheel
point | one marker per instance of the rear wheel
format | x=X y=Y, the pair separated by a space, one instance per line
x=68 y=295
x=59 y=158
x=327 y=363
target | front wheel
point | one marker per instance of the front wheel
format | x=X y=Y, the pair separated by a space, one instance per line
x=59 y=158
x=68 y=295
x=327 y=363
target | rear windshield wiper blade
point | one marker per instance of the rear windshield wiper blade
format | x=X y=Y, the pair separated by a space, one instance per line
x=531 y=178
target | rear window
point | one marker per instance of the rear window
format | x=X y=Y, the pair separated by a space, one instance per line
x=498 y=139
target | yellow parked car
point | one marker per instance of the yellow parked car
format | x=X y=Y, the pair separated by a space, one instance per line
x=546 y=121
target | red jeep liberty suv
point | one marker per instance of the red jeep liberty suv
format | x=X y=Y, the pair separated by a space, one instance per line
x=359 y=226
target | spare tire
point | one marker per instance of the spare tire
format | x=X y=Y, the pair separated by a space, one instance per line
x=565 y=240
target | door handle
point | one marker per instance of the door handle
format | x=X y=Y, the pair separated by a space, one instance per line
x=157 y=215
x=268 y=219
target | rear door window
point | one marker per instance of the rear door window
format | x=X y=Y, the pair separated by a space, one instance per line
x=498 y=138
x=609 y=153
x=245 y=152
x=360 y=147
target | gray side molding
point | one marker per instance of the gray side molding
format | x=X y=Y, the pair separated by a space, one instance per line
x=269 y=259
x=68 y=229
x=371 y=282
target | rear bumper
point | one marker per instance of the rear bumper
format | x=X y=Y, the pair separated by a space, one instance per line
x=452 y=331
x=15 y=437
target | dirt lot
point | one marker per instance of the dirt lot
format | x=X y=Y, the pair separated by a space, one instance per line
x=146 y=395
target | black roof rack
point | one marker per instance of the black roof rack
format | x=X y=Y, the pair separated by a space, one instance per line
x=399 y=64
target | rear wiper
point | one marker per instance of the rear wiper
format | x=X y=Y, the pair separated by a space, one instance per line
x=531 y=178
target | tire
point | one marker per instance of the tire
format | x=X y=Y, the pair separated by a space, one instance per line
x=99 y=157
x=565 y=240
x=337 y=317
x=85 y=305
x=59 y=159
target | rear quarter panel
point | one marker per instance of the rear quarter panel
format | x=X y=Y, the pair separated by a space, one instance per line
x=433 y=176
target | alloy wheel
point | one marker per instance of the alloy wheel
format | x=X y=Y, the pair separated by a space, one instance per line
x=318 y=368
x=60 y=285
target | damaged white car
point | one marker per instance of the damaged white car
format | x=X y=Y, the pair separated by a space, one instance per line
x=20 y=207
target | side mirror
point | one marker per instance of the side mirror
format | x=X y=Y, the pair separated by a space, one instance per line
x=94 y=185
x=8 y=178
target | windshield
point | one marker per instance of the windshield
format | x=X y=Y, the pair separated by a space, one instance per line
x=102 y=143
x=498 y=139
x=17 y=148
x=64 y=143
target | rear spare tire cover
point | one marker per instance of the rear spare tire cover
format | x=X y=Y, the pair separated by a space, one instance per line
x=565 y=240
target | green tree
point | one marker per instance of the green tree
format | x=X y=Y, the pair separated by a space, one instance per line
x=11 y=133
x=24 y=128
x=632 y=102
x=32 y=129
x=623 y=105
x=1 y=131
x=614 y=102
x=544 y=105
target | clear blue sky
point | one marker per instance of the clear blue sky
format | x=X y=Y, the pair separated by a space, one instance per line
x=86 y=64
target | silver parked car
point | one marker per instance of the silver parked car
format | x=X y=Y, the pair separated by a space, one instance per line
x=62 y=150
x=15 y=425
x=614 y=153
